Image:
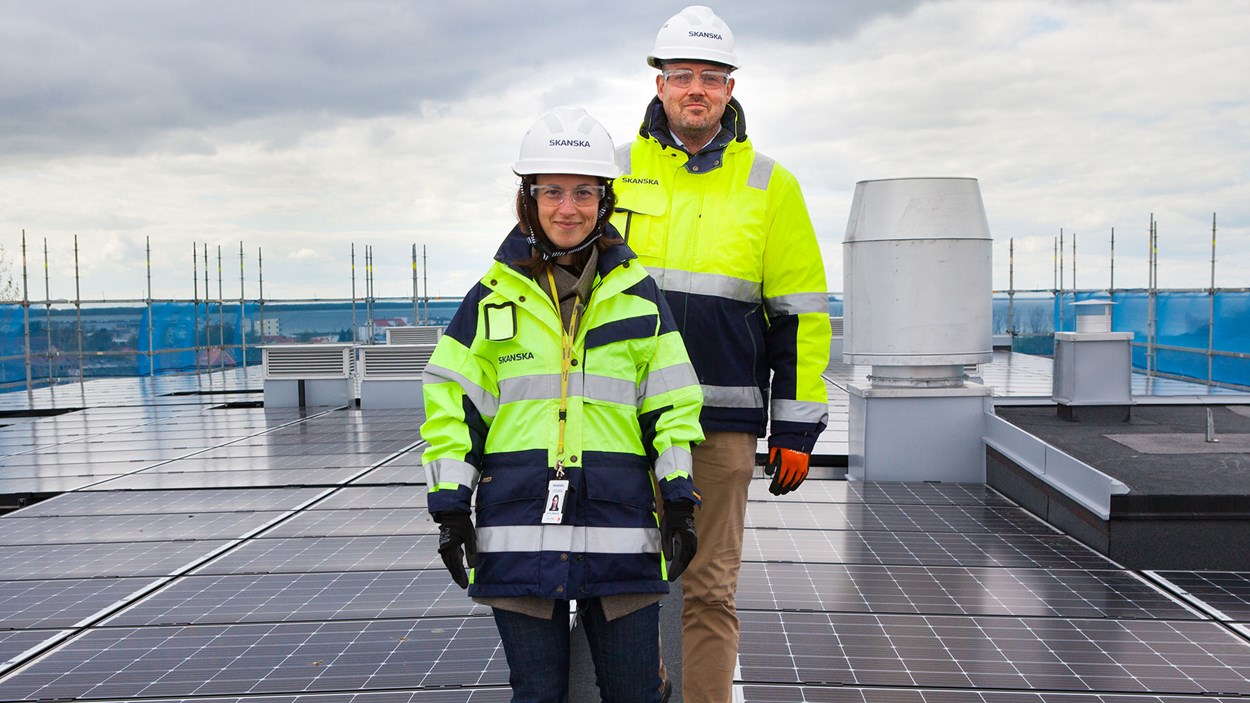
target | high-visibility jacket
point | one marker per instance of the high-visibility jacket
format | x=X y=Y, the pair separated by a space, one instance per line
x=492 y=401
x=727 y=236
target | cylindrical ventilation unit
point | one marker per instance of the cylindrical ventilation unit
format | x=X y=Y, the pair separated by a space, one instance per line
x=1093 y=316
x=917 y=279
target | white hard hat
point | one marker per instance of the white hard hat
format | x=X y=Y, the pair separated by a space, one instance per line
x=694 y=34
x=567 y=140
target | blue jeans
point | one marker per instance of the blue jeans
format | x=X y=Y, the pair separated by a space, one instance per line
x=625 y=651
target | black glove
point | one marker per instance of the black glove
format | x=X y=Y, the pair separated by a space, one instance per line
x=677 y=536
x=455 y=531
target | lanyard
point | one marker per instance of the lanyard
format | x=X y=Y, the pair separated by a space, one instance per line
x=566 y=362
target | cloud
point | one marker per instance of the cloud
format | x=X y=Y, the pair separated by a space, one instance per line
x=315 y=126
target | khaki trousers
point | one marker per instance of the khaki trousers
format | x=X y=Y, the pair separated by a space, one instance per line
x=723 y=464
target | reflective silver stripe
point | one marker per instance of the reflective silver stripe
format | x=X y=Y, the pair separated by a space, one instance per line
x=547 y=387
x=733 y=396
x=608 y=389
x=569 y=538
x=451 y=471
x=713 y=284
x=673 y=459
x=533 y=387
x=761 y=171
x=624 y=156
x=800 y=411
x=486 y=403
x=669 y=378
x=797 y=303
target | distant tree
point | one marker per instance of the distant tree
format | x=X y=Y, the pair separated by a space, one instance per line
x=8 y=287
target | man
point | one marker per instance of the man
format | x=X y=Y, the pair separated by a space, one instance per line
x=726 y=234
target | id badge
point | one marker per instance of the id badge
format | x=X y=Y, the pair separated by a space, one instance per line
x=556 y=492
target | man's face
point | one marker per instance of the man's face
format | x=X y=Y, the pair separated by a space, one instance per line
x=697 y=108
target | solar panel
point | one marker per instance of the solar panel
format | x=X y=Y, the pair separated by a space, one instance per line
x=205 y=500
x=895 y=518
x=228 y=479
x=61 y=602
x=937 y=549
x=953 y=591
x=306 y=555
x=901 y=493
x=263 y=462
x=53 y=484
x=458 y=695
x=848 y=694
x=344 y=523
x=1177 y=657
x=15 y=642
x=390 y=496
x=105 y=559
x=1225 y=594
x=232 y=660
x=317 y=449
x=83 y=529
x=394 y=473
x=355 y=595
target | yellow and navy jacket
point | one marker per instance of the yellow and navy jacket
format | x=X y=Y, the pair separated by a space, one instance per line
x=727 y=236
x=492 y=394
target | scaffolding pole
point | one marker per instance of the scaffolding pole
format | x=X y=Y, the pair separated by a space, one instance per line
x=221 y=316
x=26 y=318
x=195 y=307
x=1111 y=286
x=78 y=312
x=1211 y=326
x=47 y=312
x=260 y=283
x=369 y=322
x=1061 y=281
x=1151 y=294
x=147 y=246
x=208 y=315
x=242 y=315
x=355 y=325
x=416 y=317
x=1074 y=286
x=1011 y=289
x=425 y=273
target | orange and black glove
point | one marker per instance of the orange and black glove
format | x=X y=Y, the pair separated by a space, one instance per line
x=788 y=469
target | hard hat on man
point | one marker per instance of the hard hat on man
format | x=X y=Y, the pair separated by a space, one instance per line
x=694 y=34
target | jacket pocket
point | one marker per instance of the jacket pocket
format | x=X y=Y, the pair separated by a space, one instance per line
x=621 y=481
x=511 y=494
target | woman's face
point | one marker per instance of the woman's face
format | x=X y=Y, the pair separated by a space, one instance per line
x=567 y=223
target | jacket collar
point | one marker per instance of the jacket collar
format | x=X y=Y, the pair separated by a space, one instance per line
x=516 y=248
x=733 y=128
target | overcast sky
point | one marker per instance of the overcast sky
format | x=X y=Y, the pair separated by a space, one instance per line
x=301 y=127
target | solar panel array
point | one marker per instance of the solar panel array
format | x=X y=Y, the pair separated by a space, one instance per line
x=202 y=551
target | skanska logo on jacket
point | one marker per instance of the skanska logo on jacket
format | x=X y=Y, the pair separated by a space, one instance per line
x=640 y=181
x=519 y=356
x=580 y=143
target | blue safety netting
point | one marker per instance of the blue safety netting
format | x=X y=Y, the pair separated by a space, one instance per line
x=179 y=336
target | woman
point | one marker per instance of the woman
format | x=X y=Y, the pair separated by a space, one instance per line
x=562 y=396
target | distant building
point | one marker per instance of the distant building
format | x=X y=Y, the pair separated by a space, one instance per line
x=379 y=328
x=268 y=327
